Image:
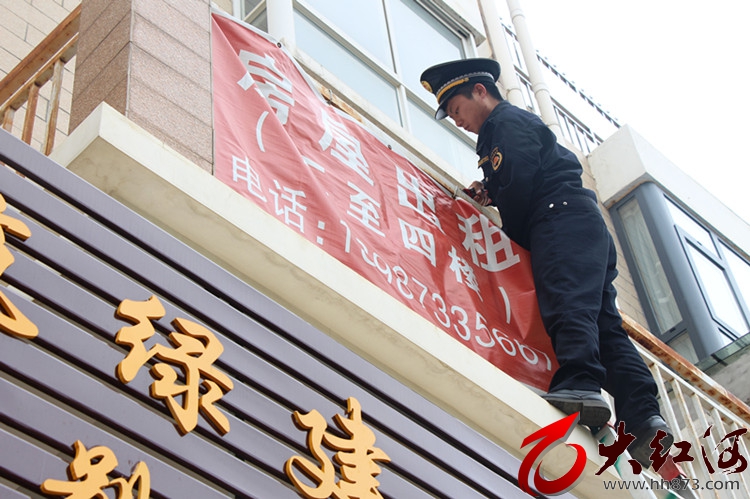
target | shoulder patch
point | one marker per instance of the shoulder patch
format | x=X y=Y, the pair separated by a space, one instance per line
x=483 y=161
x=496 y=158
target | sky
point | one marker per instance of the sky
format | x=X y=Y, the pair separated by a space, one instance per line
x=676 y=71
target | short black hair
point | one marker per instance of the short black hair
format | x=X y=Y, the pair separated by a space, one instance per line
x=466 y=91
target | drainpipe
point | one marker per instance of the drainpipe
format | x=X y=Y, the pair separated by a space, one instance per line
x=499 y=46
x=541 y=91
x=280 y=15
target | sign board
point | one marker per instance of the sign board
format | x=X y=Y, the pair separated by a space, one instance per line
x=325 y=176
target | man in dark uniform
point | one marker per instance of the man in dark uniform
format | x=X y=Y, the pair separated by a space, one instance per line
x=536 y=185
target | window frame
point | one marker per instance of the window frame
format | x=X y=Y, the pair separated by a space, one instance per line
x=699 y=319
x=393 y=77
x=716 y=257
x=405 y=96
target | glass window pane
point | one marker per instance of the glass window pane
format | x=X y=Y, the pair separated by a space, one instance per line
x=717 y=292
x=248 y=6
x=741 y=273
x=444 y=142
x=649 y=267
x=683 y=220
x=528 y=95
x=515 y=51
x=420 y=41
x=362 y=21
x=684 y=346
x=352 y=71
x=260 y=21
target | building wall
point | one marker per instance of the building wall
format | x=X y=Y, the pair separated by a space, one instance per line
x=150 y=74
x=149 y=85
x=150 y=61
x=161 y=81
x=25 y=23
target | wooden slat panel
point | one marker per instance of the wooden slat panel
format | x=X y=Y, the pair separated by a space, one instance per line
x=279 y=363
x=65 y=297
x=244 y=440
x=322 y=377
x=100 y=360
x=61 y=429
x=27 y=464
x=111 y=409
x=8 y=493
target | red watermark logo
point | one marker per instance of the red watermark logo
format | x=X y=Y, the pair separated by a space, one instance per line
x=546 y=439
x=728 y=457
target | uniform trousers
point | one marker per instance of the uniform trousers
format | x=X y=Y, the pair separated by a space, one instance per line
x=573 y=259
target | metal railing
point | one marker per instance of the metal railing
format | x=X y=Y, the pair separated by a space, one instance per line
x=44 y=64
x=700 y=412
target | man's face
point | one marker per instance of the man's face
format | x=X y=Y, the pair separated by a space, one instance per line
x=467 y=113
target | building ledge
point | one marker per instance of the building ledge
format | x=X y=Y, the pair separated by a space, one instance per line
x=626 y=160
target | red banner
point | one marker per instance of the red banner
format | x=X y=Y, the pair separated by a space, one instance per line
x=279 y=144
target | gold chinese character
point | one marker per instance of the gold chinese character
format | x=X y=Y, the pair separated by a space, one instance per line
x=88 y=476
x=195 y=350
x=12 y=321
x=356 y=455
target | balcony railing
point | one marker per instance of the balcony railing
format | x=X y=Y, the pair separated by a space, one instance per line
x=43 y=65
x=691 y=400
x=696 y=403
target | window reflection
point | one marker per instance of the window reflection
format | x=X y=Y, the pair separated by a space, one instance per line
x=348 y=68
x=741 y=273
x=689 y=225
x=363 y=21
x=717 y=292
x=650 y=267
x=682 y=345
x=445 y=143
x=420 y=41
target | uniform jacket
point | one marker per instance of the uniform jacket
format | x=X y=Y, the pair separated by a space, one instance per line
x=525 y=169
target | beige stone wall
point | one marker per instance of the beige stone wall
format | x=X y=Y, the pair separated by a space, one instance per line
x=151 y=61
x=23 y=24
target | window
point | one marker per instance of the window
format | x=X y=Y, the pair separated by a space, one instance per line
x=347 y=66
x=379 y=48
x=740 y=272
x=254 y=12
x=420 y=41
x=717 y=292
x=650 y=269
x=691 y=227
x=515 y=49
x=719 y=275
x=363 y=22
x=528 y=95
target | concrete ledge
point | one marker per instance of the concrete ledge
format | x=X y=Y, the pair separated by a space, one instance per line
x=626 y=160
x=137 y=169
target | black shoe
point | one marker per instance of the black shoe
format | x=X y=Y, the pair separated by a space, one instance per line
x=639 y=449
x=593 y=409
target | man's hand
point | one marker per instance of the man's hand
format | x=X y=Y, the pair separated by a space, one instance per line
x=478 y=193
